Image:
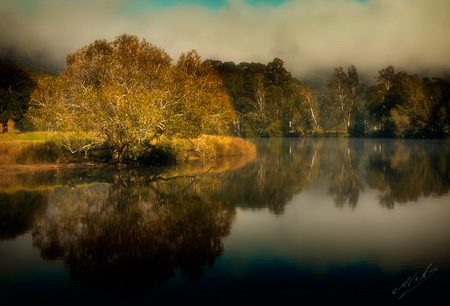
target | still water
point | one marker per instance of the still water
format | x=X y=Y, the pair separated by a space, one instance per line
x=307 y=221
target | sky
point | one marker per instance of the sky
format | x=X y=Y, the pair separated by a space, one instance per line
x=308 y=35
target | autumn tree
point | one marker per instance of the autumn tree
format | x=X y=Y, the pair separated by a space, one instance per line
x=126 y=93
x=197 y=103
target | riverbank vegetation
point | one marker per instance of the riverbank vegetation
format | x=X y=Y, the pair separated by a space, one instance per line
x=127 y=101
x=43 y=148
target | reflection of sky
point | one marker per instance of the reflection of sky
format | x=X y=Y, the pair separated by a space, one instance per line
x=26 y=279
x=314 y=233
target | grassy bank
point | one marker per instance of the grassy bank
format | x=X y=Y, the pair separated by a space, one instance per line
x=41 y=148
x=33 y=148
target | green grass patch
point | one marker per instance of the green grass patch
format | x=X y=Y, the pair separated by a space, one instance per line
x=28 y=136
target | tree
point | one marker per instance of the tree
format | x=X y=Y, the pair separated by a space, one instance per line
x=197 y=93
x=310 y=105
x=345 y=94
x=277 y=74
x=263 y=96
x=404 y=105
x=15 y=89
x=413 y=110
x=233 y=81
x=126 y=93
x=438 y=92
x=381 y=98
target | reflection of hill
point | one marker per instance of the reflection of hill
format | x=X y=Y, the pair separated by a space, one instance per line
x=132 y=234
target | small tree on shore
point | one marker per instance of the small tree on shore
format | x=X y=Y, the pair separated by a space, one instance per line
x=126 y=93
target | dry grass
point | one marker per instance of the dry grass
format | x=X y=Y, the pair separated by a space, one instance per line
x=29 y=152
x=208 y=147
x=36 y=148
x=39 y=148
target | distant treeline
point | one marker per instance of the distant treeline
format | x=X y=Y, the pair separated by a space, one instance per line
x=270 y=102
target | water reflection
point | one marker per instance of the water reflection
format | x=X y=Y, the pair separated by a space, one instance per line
x=399 y=170
x=18 y=210
x=130 y=230
x=131 y=234
x=403 y=171
x=342 y=169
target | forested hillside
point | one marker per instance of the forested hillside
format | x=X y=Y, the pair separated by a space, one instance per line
x=270 y=102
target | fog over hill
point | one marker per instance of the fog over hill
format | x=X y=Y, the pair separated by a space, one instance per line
x=310 y=36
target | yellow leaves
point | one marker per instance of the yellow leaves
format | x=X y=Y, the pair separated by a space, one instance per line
x=203 y=105
x=128 y=90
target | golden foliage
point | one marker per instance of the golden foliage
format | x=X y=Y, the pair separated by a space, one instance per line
x=126 y=93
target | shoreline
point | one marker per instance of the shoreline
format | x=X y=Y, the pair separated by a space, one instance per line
x=17 y=168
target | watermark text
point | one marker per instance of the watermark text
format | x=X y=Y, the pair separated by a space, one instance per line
x=414 y=281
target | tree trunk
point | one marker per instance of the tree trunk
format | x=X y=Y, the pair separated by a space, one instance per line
x=118 y=155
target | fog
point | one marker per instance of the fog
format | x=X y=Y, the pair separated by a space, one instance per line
x=308 y=35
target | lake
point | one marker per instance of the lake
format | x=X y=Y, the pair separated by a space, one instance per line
x=357 y=221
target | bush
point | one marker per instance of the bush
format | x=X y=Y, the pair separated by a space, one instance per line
x=275 y=129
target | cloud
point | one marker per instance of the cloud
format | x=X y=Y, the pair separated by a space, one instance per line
x=306 y=34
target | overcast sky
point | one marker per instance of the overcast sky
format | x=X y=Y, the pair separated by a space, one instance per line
x=306 y=34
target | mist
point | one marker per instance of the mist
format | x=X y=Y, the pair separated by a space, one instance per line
x=308 y=35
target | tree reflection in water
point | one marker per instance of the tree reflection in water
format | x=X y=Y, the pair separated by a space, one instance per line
x=346 y=179
x=131 y=235
x=284 y=167
x=403 y=171
x=400 y=170
x=130 y=230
